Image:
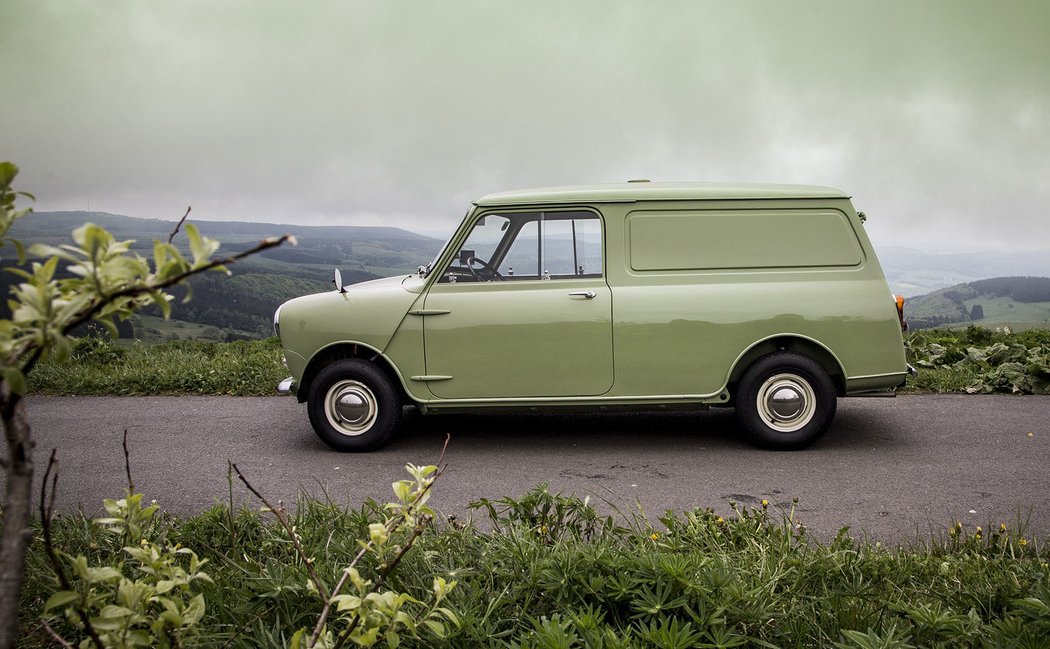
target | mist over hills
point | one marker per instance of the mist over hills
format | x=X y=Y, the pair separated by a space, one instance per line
x=943 y=287
x=243 y=304
x=912 y=272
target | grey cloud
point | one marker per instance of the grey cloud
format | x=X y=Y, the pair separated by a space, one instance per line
x=932 y=114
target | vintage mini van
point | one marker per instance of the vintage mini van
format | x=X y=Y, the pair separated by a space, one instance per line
x=768 y=298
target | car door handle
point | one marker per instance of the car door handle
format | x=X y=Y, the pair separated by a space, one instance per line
x=590 y=295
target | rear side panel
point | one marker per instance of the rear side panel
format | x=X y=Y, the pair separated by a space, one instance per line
x=703 y=283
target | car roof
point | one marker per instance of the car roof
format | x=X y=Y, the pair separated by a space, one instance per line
x=649 y=191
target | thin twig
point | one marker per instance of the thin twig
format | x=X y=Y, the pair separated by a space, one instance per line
x=283 y=520
x=391 y=524
x=127 y=464
x=54 y=636
x=46 y=510
x=233 y=524
x=179 y=224
x=417 y=531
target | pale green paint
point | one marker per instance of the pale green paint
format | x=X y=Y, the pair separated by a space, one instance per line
x=756 y=239
x=673 y=334
x=538 y=342
x=646 y=191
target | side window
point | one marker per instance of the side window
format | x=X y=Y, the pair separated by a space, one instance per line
x=529 y=246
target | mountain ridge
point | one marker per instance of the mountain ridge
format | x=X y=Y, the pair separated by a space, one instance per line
x=1018 y=302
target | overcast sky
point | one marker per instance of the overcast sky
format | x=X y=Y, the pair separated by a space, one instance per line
x=935 y=116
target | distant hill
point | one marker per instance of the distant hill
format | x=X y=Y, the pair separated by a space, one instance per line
x=915 y=272
x=241 y=305
x=1020 y=302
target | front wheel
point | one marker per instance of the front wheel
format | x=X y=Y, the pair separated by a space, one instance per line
x=353 y=406
x=785 y=401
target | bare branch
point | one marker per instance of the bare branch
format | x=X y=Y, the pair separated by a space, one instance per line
x=54 y=636
x=127 y=464
x=283 y=520
x=46 y=511
x=179 y=224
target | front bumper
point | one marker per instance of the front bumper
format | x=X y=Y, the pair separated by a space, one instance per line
x=286 y=386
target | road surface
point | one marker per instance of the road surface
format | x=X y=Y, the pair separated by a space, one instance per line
x=894 y=469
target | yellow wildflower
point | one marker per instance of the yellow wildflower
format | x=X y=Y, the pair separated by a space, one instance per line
x=720 y=520
x=765 y=503
x=1002 y=528
x=654 y=536
x=978 y=533
x=1022 y=542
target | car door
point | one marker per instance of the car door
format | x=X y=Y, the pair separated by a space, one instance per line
x=522 y=311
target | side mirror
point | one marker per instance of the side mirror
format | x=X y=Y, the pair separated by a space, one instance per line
x=339 y=281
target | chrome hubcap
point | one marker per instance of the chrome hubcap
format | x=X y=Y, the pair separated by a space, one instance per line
x=786 y=402
x=351 y=407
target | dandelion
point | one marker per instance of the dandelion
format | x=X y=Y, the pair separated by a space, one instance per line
x=1002 y=528
x=1022 y=542
x=977 y=535
x=765 y=503
x=720 y=520
x=654 y=536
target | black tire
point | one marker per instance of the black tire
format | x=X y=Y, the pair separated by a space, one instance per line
x=785 y=401
x=353 y=406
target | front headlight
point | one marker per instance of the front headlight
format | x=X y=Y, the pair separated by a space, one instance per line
x=277 y=321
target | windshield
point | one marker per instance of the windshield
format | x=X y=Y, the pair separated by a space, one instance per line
x=425 y=270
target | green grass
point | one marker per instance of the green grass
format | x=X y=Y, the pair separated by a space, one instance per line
x=550 y=572
x=1005 y=311
x=101 y=367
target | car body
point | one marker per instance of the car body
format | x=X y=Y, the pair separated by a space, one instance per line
x=766 y=297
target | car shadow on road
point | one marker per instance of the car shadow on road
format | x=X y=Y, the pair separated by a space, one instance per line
x=625 y=430
x=529 y=431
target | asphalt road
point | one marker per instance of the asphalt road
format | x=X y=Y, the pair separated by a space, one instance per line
x=894 y=469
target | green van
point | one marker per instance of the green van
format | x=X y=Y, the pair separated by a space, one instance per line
x=767 y=298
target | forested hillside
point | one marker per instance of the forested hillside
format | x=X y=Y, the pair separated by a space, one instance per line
x=1018 y=302
x=242 y=305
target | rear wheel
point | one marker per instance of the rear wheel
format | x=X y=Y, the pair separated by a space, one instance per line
x=785 y=401
x=353 y=406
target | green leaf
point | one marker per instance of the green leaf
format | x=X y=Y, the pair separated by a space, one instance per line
x=15 y=380
x=8 y=171
x=61 y=598
x=437 y=628
x=297 y=639
x=195 y=611
x=102 y=573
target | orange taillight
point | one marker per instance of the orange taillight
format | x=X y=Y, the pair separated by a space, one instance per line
x=899 y=299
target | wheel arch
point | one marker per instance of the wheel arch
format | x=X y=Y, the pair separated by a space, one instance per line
x=344 y=351
x=790 y=343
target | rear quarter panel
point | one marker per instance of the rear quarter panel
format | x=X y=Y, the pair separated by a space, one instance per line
x=679 y=331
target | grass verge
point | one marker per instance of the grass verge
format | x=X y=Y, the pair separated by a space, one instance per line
x=552 y=573
x=97 y=366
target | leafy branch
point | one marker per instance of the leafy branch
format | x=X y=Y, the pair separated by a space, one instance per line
x=410 y=516
x=108 y=281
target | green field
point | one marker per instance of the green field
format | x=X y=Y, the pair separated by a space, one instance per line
x=1005 y=311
